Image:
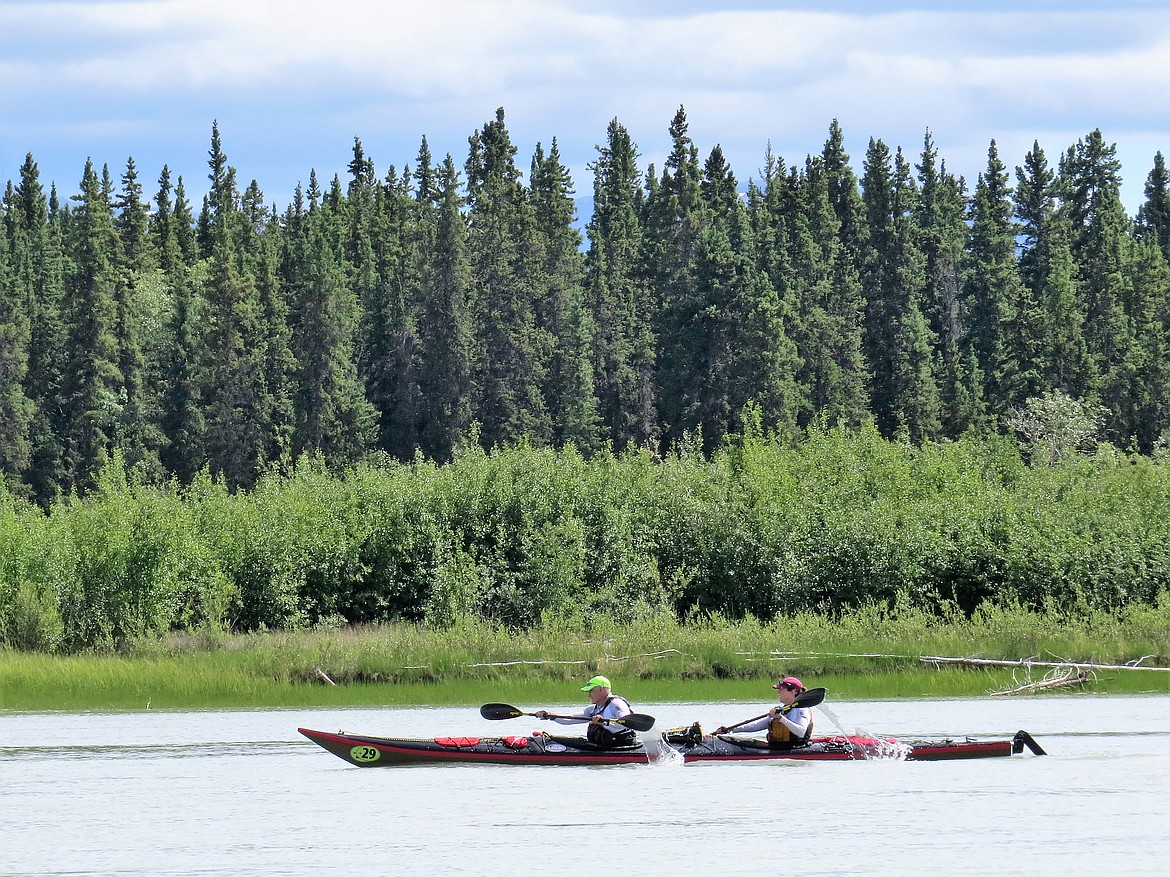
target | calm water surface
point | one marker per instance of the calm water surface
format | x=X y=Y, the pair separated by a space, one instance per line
x=242 y=794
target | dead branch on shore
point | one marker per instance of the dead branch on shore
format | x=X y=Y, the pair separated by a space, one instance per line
x=1054 y=679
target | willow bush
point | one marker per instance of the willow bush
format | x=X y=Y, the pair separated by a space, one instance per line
x=529 y=537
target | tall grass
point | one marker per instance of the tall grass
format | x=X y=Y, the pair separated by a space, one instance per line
x=874 y=653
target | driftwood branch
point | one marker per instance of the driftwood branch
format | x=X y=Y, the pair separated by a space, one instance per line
x=1055 y=679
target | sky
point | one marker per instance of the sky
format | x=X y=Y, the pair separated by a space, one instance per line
x=291 y=83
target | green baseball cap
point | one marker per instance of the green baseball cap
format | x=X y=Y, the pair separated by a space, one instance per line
x=596 y=682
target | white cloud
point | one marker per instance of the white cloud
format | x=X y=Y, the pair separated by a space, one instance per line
x=393 y=72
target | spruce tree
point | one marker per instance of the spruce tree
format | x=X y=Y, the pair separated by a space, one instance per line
x=333 y=417
x=445 y=329
x=180 y=406
x=747 y=352
x=236 y=404
x=941 y=216
x=674 y=220
x=180 y=418
x=181 y=415
x=262 y=238
x=832 y=371
x=1034 y=201
x=131 y=222
x=378 y=266
x=40 y=276
x=185 y=230
x=512 y=361
x=92 y=381
x=845 y=196
x=1089 y=333
x=379 y=272
x=161 y=224
x=568 y=390
x=1090 y=183
x=1049 y=274
x=1153 y=219
x=620 y=302
x=138 y=302
x=899 y=342
x=763 y=357
x=1139 y=391
x=1067 y=363
x=392 y=347
x=16 y=409
x=999 y=311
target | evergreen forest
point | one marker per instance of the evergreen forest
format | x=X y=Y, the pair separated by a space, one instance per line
x=407 y=312
x=417 y=315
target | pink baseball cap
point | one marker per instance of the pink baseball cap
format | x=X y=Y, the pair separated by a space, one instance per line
x=790 y=682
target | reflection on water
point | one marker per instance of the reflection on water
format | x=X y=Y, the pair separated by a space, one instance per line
x=142 y=751
x=241 y=794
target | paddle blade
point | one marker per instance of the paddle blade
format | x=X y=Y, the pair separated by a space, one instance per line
x=637 y=721
x=809 y=698
x=496 y=711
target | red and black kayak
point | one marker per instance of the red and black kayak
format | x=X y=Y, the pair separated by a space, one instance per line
x=542 y=748
x=538 y=748
x=845 y=747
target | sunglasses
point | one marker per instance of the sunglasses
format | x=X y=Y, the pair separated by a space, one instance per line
x=788 y=686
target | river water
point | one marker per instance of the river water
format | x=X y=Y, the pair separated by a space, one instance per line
x=242 y=794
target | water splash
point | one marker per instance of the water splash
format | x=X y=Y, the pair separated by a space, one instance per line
x=665 y=755
x=882 y=748
x=890 y=750
x=833 y=717
x=876 y=748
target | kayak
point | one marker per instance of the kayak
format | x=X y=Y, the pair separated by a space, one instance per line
x=538 y=748
x=690 y=746
x=845 y=747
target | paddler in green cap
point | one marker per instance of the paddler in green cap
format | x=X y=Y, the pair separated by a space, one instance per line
x=604 y=705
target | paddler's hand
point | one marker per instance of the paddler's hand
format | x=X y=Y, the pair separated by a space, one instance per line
x=541 y=714
x=596 y=720
x=720 y=730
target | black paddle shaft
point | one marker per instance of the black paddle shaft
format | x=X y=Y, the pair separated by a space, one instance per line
x=496 y=711
x=812 y=697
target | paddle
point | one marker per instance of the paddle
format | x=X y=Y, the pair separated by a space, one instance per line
x=494 y=711
x=806 y=698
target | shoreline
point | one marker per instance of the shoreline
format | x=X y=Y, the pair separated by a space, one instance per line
x=142 y=686
x=866 y=656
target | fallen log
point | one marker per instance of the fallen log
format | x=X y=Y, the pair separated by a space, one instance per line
x=1029 y=662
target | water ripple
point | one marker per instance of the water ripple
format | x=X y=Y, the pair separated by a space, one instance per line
x=149 y=750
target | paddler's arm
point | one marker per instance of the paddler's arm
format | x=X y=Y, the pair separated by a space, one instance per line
x=757 y=725
x=562 y=720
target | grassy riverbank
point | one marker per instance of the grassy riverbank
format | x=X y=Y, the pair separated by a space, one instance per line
x=873 y=654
